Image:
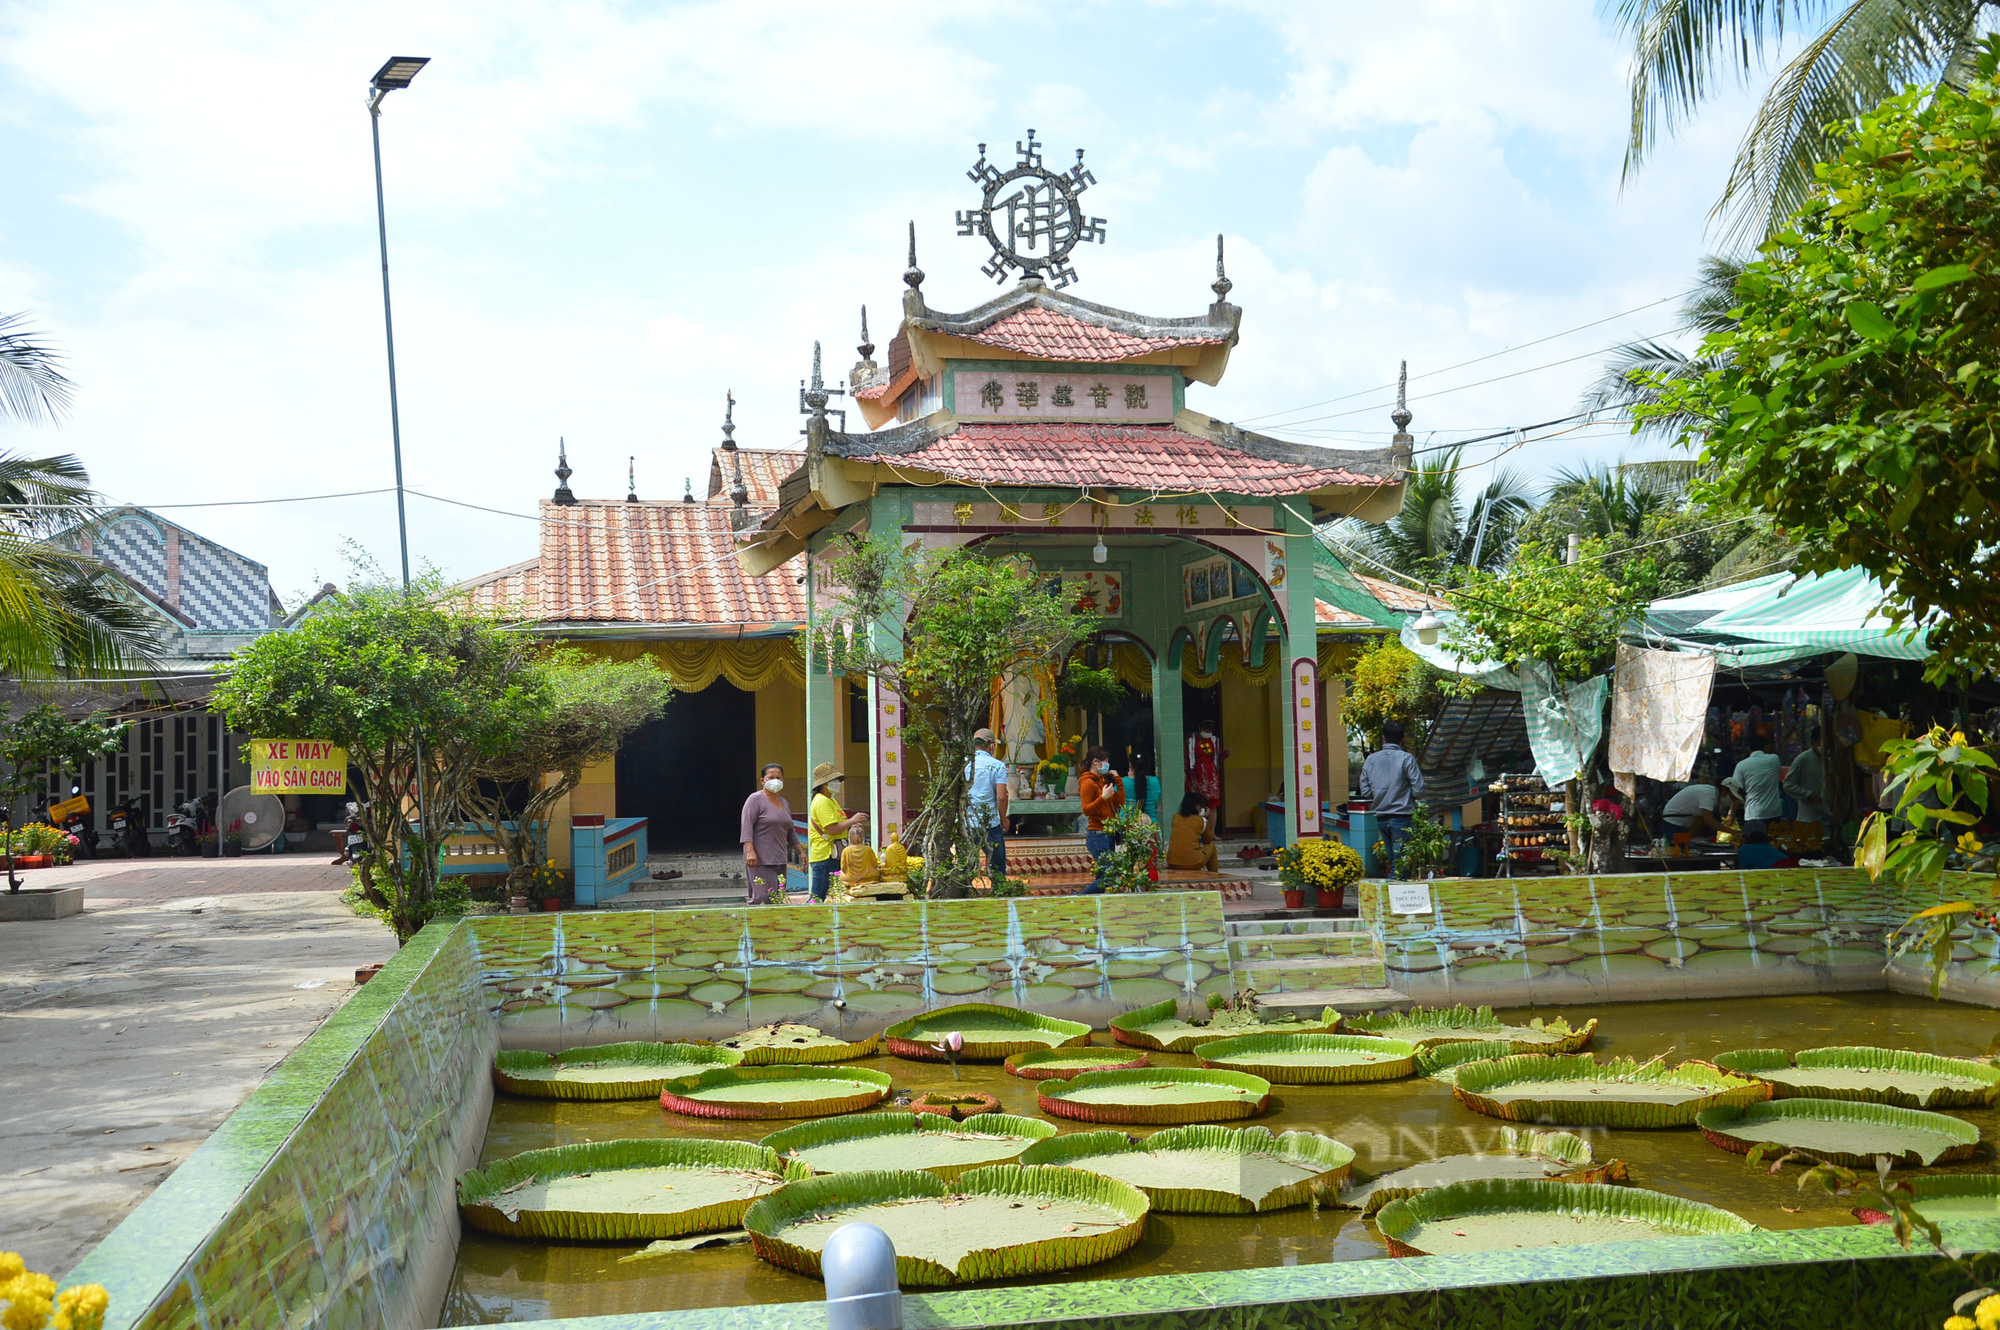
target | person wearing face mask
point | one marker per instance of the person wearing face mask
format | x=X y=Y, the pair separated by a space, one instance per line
x=825 y=819
x=768 y=835
x=1103 y=795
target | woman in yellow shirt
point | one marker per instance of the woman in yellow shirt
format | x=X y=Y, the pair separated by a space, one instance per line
x=1190 y=844
x=825 y=819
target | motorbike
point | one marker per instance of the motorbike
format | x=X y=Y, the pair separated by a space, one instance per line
x=73 y=820
x=127 y=822
x=191 y=824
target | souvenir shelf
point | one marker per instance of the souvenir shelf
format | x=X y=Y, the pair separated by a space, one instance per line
x=1531 y=820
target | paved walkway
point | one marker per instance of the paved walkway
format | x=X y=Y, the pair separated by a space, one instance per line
x=130 y=1031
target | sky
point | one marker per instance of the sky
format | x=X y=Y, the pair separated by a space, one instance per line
x=603 y=216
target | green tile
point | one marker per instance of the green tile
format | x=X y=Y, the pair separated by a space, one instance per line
x=1620 y=1302
x=1805 y=1293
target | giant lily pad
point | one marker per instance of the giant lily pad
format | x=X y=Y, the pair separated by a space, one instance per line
x=1555 y=1156
x=1575 y=1090
x=1312 y=1059
x=1870 y=1075
x=784 y=1043
x=1426 y=1027
x=1440 y=1062
x=610 y=1191
x=1203 y=1170
x=1056 y=1063
x=1158 y=1095
x=608 y=1071
x=992 y=1223
x=925 y=1141
x=1509 y=1215
x=1160 y=1027
x=1957 y=1196
x=991 y=1033
x=1841 y=1131
x=774 y=1092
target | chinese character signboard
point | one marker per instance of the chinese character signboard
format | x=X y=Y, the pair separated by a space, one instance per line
x=297 y=766
x=1041 y=393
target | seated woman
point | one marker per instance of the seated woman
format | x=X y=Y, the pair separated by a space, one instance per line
x=1190 y=844
x=1756 y=851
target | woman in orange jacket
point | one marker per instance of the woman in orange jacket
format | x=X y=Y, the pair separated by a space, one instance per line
x=1103 y=795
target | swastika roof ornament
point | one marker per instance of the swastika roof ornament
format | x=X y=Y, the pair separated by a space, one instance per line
x=1030 y=215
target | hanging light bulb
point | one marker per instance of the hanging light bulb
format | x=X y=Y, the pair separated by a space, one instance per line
x=1428 y=626
x=1098 y=553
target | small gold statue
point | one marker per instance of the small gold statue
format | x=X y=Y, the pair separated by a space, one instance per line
x=895 y=859
x=858 y=866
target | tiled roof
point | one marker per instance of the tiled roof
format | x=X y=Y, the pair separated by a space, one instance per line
x=1053 y=335
x=764 y=469
x=658 y=563
x=1401 y=598
x=516 y=589
x=1147 y=457
x=1332 y=616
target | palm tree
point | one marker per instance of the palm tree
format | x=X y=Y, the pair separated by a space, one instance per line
x=1616 y=499
x=1633 y=374
x=1436 y=531
x=61 y=613
x=1865 y=52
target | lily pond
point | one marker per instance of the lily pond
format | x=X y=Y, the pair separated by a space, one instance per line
x=1389 y=1125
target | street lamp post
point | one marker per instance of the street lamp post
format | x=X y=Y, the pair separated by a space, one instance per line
x=395 y=73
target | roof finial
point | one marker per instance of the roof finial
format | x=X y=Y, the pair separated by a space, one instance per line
x=816 y=395
x=1401 y=415
x=631 y=479
x=563 y=473
x=687 y=489
x=867 y=348
x=729 y=420
x=1221 y=285
x=913 y=276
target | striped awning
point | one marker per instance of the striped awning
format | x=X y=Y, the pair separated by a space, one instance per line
x=1840 y=611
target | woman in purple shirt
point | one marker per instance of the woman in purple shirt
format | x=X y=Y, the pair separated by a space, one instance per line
x=768 y=835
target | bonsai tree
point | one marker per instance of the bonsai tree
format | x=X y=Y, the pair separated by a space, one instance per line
x=584 y=711
x=945 y=623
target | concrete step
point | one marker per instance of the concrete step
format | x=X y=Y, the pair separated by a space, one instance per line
x=1347 y=1001
x=1307 y=963
x=680 y=894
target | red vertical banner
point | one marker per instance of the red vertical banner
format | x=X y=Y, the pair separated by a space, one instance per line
x=888 y=745
x=1307 y=743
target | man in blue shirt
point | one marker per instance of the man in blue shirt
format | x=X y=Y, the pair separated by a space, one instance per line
x=988 y=794
x=1391 y=782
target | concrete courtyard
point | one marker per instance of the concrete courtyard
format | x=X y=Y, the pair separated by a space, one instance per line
x=130 y=1031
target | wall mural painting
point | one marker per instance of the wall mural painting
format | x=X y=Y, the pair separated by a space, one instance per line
x=566 y=980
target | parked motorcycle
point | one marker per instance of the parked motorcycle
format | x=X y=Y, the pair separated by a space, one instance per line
x=191 y=824
x=72 y=815
x=127 y=822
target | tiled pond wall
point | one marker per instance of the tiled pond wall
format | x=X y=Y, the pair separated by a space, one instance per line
x=327 y=1200
x=1529 y=941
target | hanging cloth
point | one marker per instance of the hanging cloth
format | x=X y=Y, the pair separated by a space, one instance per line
x=1659 y=711
x=1564 y=724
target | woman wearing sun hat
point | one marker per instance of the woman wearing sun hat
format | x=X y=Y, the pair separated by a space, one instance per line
x=825 y=819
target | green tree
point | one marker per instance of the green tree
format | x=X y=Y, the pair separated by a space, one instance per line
x=1438 y=530
x=585 y=711
x=1859 y=55
x=43 y=740
x=1860 y=403
x=1635 y=370
x=422 y=696
x=954 y=620
x=1388 y=681
x=1568 y=616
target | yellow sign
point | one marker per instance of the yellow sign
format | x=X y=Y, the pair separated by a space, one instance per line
x=59 y=813
x=297 y=766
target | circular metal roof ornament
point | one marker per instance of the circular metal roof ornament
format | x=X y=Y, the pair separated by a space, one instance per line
x=1030 y=215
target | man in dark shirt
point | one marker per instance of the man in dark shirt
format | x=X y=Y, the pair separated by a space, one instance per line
x=1392 y=782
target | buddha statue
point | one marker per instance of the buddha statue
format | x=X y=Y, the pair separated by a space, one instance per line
x=858 y=866
x=895 y=859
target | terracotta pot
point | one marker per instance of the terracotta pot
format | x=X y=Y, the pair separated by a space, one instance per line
x=1295 y=900
x=1331 y=900
x=31 y=861
x=552 y=904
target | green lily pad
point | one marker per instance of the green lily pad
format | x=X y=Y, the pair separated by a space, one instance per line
x=1428 y=1027
x=1577 y=1090
x=1871 y=1075
x=607 y=1071
x=1513 y=1214
x=991 y=1033
x=611 y=1191
x=784 y=1042
x=1061 y=1063
x=1208 y=1170
x=1312 y=1059
x=775 y=1092
x=1841 y=1131
x=1553 y=1156
x=1157 y=1095
x=1160 y=1027
x=928 y=1141
x=1945 y=1196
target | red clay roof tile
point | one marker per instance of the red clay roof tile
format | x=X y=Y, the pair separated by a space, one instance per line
x=1053 y=335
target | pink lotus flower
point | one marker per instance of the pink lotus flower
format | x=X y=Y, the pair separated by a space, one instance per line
x=951 y=1045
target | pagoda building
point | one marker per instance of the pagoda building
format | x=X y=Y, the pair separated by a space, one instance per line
x=1042 y=425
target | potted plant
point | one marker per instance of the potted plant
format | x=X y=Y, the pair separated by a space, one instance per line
x=1135 y=843
x=1325 y=866
x=550 y=885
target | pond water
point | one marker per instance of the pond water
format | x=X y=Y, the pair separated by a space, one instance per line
x=1389 y=1125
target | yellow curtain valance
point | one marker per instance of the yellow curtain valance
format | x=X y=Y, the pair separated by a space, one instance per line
x=1232 y=664
x=1135 y=668
x=750 y=663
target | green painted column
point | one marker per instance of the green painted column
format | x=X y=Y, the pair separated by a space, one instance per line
x=1304 y=737
x=822 y=689
x=1169 y=736
x=888 y=510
